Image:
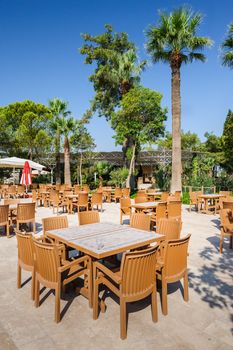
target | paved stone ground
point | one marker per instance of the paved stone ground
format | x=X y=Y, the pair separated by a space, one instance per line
x=205 y=322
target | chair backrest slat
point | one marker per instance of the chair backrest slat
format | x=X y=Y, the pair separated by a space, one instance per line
x=4 y=214
x=25 y=248
x=54 y=223
x=171 y=228
x=88 y=217
x=140 y=221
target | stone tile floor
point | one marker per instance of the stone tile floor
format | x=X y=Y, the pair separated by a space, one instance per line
x=205 y=322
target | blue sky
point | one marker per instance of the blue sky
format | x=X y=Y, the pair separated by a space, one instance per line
x=39 y=60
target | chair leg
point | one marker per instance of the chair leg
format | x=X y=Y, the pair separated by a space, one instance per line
x=57 y=303
x=8 y=230
x=221 y=244
x=164 y=297
x=154 y=308
x=186 y=287
x=231 y=242
x=123 y=318
x=33 y=284
x=37 y=292
x=95 y=300
x=34 y=226
x=19 y=276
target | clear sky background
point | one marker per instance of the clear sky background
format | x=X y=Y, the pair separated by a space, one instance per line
x=39 y=60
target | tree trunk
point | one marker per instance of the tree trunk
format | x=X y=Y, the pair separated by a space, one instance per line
x=130 y=179
x=67 y=177
x=80 y=169
x=176 y=131
x=128 y=143
x=58 y=160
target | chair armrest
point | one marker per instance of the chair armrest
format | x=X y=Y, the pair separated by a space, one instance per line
x=73 y=263
x=107 y=272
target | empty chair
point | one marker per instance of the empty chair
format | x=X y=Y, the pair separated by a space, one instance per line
x=86 y=188
x=228 y=204
x=26 y=214
x=171 y=228
x=52 y=272
x=54 y=223
x=130 y=283
x=55 y=201
x=226 y=227
x=12 y=191
x=25 y=258
x=177 y=195
x=225 y=193
x=97 y=200
x=117 y=194
x=82 y=201
x=161 y=212
x=125 y=208
x=174 y=267
x=20 y=191
x=12 y=208
x=140 y=221
x=174 y=209
x=34 y=196
x=125 y=192
x=164 y=196
x=141 y=194
x=77 y=189
x=88 y=217
x=4 y=218
x=140 y=199
x=193 y=200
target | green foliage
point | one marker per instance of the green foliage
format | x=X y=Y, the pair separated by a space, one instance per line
x=227 y=48
x=185 y=197
x=140 y=116
x=174 y=39
x=118 y=176
x=227 y=139
x=162 y=176
x=189 y=141
x=117 y=69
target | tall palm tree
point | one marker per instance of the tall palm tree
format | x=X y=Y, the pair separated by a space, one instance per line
x=59 y=111
x=67 y=126
x=227 y=47
x=174 y=41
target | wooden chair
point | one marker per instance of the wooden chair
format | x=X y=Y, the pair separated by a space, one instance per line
x=4 y=218
x=125 y=208
x=228 y=204
x=54 y=223
x=130 y=283
x=177 y=195
x=125 y=192
x=86 y=188
x=164 y=196
x=140 y=221
x=193 y=200
x=12 y=191
x=82 y=201
x=117 y=194
x=161 y=212
x=21 y=191
x=226 y=227
x=141 y=194
x=55 y=201
x=88 y=217
x=26 y=214
x=171 y=228
x=55 y=273
x=140 y=199
x=174 y=209
x=225 y=193
x=25 y=258
x=97 y=199
x=77 y=189
x=173 y=267
x=34 y=196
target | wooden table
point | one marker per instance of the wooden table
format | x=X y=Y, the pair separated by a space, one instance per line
x=144 y=206
x=103 y=240
x=210 y=201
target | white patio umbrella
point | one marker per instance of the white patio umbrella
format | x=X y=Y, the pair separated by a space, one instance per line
x=18 y=163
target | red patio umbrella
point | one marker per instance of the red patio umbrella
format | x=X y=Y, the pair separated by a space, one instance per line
x=26 y=175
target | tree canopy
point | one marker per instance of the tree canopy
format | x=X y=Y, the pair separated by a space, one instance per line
x=227 y=48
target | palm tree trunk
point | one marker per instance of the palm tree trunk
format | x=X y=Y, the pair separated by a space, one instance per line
x=130 y=178
x=176 y=131
x=67 y=161
x=58 y=160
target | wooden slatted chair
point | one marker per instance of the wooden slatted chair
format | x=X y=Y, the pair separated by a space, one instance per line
x=54 y=223
x=171 y=228
x=225 y=193
x=125 y=208
x=21 y=191
x=25 y=258
x=174 y=209
x=34 y=196
x=54 y=273
x=173 y=267
x=86 y=188
x=26 y=214
x=130 y=283
x=125 y=192
x=117 y=194
x=161 y=212
x=140 y=221
x=164 y=196
x=226 y=227
x=12 y=212
x=88 y=217
x=97 y=199
x=140 y=199
x=4 y=218
x=228 y=203
x=177 y=195
x=82 y=201
x=193 y=200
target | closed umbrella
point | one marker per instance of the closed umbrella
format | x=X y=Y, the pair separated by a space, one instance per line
x=26 y=175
